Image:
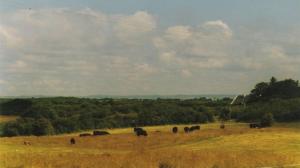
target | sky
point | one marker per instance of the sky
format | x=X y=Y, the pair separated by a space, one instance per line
x=146 y=47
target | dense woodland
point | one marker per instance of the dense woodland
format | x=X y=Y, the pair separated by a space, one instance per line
x=41 y=116
x=279 y=100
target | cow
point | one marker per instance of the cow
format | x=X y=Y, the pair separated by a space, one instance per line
x=222 y=126
x=135 y=129
x=72 y=141
x=95 y=133
x=254 y=125
x=139 y=131
x=27 y=143
x=142 y=132
x=175 y=130
x=85 y=134
x=193 y=128
x=186 y=129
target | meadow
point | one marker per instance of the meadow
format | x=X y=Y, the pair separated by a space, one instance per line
x=237 y=146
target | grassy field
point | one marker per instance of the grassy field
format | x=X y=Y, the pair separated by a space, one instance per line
x=5 y=118
x=235 y=147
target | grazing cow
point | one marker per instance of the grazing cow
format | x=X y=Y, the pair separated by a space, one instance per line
x=72 y=141
x=27 y=143
x=142 y=132
x=100 y=133
x=254 y=125
x=135 y=129
x=186 y=129
x=193 y=128
x=139 y=131
x=175 y=130
x=85 y=134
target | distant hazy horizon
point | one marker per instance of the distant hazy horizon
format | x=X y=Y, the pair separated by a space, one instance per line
x=154 y=96
x=146 y=47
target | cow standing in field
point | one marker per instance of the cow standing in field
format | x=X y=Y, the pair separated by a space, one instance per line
x=100 y=133
x=186 y=129
x=193 y=128
x=254 y=125
x=222 y=126
x=85 y=134
x=27 y=143
x=72 y=141
x=140 y=131
x=175 y=130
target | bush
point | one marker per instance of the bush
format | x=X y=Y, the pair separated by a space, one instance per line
x=10 y=129
x=267 y=120
x=42 y=127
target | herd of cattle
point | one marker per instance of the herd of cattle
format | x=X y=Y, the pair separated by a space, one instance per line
x=138 y=131
x=141 y=132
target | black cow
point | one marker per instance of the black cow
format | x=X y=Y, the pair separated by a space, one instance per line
x=186 y=129
x=175 y=130
x=140 y=131
x=85 y=134
x=193 y=128
x=95 y=133
x=135 y=129
x=254 y=125
x=72 y=141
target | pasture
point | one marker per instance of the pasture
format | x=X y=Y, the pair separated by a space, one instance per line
x=6 y=118
x=236 y=146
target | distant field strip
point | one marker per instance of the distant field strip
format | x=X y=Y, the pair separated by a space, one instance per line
x=6 y=118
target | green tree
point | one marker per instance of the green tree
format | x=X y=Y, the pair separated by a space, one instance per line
x=267 y=120
x=42 y=126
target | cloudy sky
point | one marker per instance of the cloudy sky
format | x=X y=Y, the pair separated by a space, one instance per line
x=130 y=47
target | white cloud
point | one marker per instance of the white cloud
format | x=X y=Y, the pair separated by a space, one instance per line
x=194 y=46
x=178 y=33
x=218 y=25
x=186 y=73
x=81 y=52
x=19 y=66
x=134 y=26
x=9 y=37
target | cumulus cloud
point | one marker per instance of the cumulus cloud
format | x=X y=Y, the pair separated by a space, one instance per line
x=85 y=51
x=134 y=26
x=186 y=73
x=64 y=45
x=218 y=25
x=202 y=47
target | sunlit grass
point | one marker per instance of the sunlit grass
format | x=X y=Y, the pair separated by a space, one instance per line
x=236 y=146
x=6 y=118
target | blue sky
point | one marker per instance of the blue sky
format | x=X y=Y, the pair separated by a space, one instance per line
x=185 y=12
x=70 y=47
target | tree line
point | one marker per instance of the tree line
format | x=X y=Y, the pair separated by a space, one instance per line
x=278 y=99
x=268 y=101
x=44 y=116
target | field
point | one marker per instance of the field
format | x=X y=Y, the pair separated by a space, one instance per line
x=5 y=118
x=236 y=146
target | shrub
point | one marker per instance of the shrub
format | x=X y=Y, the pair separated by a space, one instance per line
x=267 y=120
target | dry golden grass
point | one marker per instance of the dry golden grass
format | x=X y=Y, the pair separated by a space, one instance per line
x=235 y=147
x=5 y=118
